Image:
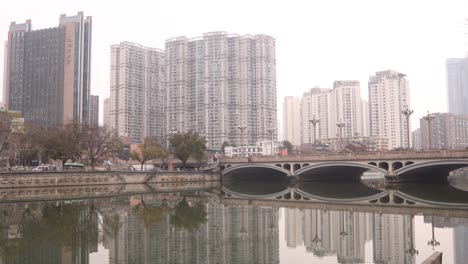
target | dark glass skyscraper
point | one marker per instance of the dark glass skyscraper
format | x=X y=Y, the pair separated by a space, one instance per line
x=48 y=71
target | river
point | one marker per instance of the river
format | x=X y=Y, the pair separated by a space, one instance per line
x=243 y=222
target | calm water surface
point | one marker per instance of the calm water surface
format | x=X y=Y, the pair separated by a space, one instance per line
x=317 y=223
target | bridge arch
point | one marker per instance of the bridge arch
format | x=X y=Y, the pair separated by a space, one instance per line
x=255 y=171
x=430 y=170
x=336 y=170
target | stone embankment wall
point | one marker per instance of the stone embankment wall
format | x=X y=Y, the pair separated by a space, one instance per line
x=83 y=178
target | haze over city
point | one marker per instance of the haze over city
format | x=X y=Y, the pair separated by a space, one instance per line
x=316 y=43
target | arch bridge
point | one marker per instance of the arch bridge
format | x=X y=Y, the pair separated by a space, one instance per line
x=395 y=166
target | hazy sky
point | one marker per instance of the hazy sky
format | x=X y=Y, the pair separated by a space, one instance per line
x=317 y=42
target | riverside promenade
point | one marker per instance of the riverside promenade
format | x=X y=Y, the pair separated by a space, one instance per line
x=83 y=178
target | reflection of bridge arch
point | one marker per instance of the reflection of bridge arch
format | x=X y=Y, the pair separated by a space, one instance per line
x=340 y=168
x=231 y=193
x=253 y=170
x=439 y=168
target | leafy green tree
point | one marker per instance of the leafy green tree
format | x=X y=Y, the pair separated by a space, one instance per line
x=189 y=217
x=186 y=145
x=63 y=143
x=149 y=149
x=288 y=146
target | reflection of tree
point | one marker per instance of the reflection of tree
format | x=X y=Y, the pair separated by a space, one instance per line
x=72 y=226
x=148 y=214
x=189 y=217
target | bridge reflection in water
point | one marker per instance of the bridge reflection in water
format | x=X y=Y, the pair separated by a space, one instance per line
x=239 y=223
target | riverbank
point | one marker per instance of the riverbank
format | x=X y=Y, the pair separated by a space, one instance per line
x=84 y=178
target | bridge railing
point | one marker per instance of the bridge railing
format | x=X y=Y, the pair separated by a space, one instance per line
x=390 y=155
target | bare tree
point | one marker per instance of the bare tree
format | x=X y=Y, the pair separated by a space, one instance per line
x=63 y=143
x=98 y=142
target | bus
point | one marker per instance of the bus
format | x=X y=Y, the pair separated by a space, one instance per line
x=74 y=166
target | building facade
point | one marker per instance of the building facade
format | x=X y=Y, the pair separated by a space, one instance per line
x=345 y=107
x=292 y=119
x=457 y=85
x=342 y=104
x=218 y=81
x=388 y=96
x=94 y=110
x=47 y=73
x=136 y=104
x=315 y=104
x=448 y=131
x=106 y=112
x=416 y=139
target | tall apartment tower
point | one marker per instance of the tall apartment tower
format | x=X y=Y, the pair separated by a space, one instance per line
x=292 y=119
x=448 y=131
x=345 y=107
x=47 y=73
x=365 y=118
x=315 y=104
x=106 y=112
x=136 y=106
x=388 y=96
x=218 y=81
x=457 y=86
x=94 y=110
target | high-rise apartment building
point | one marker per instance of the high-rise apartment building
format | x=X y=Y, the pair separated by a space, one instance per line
x=47 y=73
x=218 y=81
x=447 y=131
x=106 y=112
x=292 y=119
x=416 y=139
x=457 y=86
x=388 y=96
x=94 y=110
x=136 y=106
x=342 y=104
x=315 y=104
x=365 y=118
x=345 y=107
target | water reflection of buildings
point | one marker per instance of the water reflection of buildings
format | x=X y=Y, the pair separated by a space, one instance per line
x=232 y=234
x=26 y=237
x=344 y=234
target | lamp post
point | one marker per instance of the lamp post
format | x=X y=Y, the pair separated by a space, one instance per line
x=340 y=126
x=171 y=134
x=317 y=240
x=412 y=251
x=343 y=232
x=314 y=122
x=407 y=113
x=428 y=119
x=271 y=130
x=433 y=242
x=242 y=128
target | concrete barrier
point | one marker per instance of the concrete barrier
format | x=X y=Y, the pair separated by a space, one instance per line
x=82 y=178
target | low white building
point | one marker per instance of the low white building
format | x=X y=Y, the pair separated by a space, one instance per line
x=261 y=148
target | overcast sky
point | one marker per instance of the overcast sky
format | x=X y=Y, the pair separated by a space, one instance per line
x=317 y=42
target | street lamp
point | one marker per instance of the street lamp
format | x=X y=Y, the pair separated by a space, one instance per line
x=407 y=112
x=433 y=242
x=242 y=128
x=316 y=240
x=314 y=122
x=428 y=119
x=412 y=251
x=340 y=126
x=271 y=130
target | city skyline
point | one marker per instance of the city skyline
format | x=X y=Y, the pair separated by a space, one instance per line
x=298 y=55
